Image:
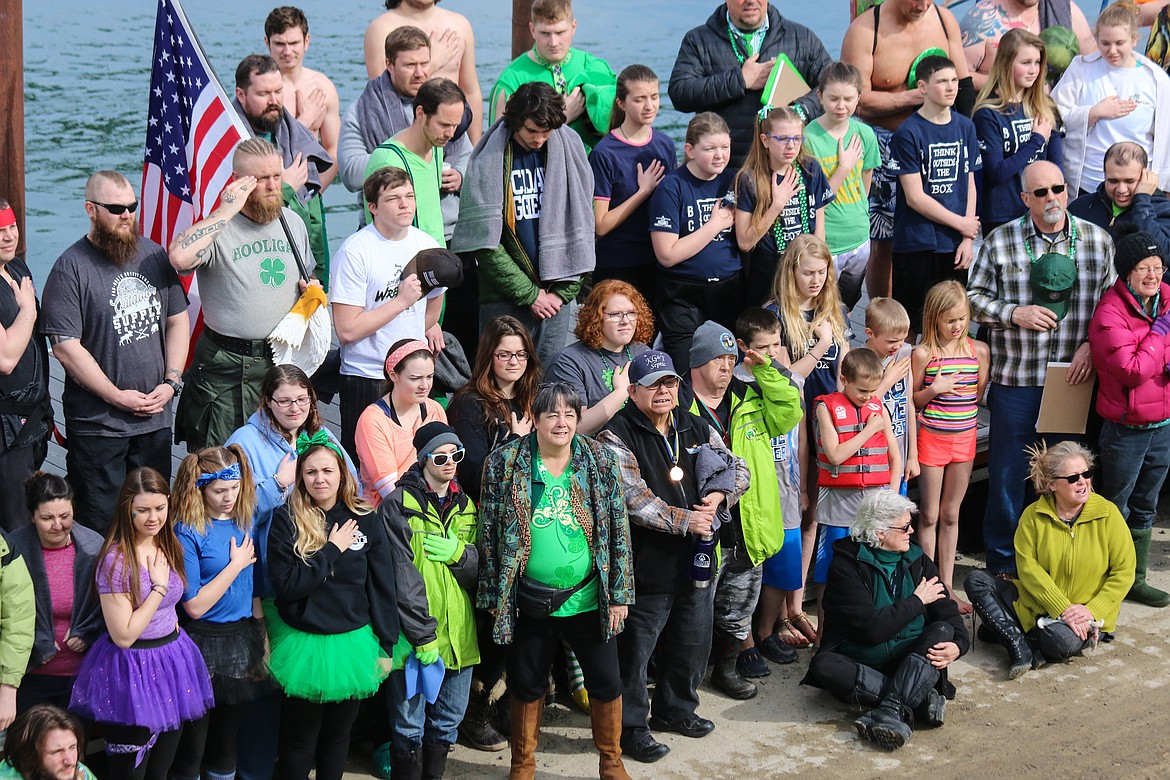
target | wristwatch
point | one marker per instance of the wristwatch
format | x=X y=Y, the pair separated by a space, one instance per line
x=176 y=386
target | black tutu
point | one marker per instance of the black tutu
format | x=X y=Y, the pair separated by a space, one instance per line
x=234 y=653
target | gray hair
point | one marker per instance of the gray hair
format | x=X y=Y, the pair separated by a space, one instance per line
x=551 y=395
x=877 y=512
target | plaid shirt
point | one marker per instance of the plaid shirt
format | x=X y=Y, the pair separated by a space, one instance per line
x=645 y=508
x=999 y=282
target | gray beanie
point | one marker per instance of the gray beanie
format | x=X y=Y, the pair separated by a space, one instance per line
x=711 y=340
x=432 y=436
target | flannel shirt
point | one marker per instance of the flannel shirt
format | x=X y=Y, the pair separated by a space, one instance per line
x=999 y=282
x=644 y=507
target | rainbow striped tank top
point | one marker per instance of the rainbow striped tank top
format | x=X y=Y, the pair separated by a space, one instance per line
x=956 y=411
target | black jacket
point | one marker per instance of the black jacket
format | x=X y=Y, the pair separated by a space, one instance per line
x=1150 y=213
x=707 y=76
x=850 y=613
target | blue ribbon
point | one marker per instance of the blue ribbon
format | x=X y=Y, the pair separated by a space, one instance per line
x=232 y=472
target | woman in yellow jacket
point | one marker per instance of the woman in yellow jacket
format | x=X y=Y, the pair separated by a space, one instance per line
x=1075 y=563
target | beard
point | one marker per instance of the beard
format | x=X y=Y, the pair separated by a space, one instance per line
x=1053 y=214
x=263 y=207
x=267 y=121
x=118 y=245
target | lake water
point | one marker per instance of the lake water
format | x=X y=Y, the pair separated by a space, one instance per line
x=87 y=71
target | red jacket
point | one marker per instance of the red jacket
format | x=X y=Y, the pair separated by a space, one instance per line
x=1130 y=360
x=871 y=465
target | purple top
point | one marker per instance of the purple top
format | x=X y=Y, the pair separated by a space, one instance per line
x=111 y=578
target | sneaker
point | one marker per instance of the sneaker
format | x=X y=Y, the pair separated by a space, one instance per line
x=750 y=663
x=692 y=726
x=776 y=651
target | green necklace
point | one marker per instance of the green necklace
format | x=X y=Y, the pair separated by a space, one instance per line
x=607 y=373
x=778 y=225
x=1072 y=239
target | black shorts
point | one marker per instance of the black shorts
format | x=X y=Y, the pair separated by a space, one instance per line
x=915 y=273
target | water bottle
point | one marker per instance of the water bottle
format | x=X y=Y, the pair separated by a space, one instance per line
x=704 y=561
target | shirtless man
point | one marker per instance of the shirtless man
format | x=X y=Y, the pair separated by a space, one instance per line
x=901 y=29
x=988 y=20
x=310 y=96
x=452 y=48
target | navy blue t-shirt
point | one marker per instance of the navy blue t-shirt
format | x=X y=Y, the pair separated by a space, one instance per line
x=681 y=205
x=615 y=179
x=1007 y=146
x=527 y=186
x=944 y=156
x=818 y=193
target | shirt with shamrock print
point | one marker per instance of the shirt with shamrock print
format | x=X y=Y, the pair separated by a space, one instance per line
x=560 y=554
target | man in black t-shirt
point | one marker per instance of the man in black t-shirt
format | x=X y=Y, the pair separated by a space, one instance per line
x=25 y=412
x=116 y=315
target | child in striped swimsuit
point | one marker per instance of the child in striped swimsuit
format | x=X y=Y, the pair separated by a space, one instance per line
x=950 y=373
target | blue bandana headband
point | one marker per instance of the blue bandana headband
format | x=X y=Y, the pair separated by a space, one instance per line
x=232 y=472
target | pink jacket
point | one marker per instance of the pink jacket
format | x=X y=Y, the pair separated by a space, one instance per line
x=1130 y=360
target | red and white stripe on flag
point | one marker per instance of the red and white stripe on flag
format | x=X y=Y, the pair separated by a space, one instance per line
x=191 y=132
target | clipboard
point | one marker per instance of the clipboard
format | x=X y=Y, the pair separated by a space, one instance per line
x=784 y=85
x=1064 y=408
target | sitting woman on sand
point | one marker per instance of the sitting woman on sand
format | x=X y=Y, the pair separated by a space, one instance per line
x=891 y=628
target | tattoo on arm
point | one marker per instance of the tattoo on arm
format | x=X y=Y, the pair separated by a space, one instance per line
x=60 y=339
x=202 y=232
x=981 y=23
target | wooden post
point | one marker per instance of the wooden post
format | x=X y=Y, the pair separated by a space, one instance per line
x=12 y=109
x=521 y=15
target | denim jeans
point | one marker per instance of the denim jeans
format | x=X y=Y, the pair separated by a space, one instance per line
x=414 y=720
x=1014 y=411
x=1133 y=467
x=679 y=625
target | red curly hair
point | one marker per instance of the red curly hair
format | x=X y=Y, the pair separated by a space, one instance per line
x=591 y=316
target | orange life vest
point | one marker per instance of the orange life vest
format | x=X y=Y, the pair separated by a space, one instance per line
x=870 y=466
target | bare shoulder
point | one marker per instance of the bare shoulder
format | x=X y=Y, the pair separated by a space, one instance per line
x=455 y=21
x=314 y=79
x=857 y=47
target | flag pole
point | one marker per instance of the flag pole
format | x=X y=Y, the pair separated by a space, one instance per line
x=12 y=106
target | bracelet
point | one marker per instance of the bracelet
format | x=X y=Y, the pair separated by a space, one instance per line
x=159 y=589
x=283 y=487
x=176 y=386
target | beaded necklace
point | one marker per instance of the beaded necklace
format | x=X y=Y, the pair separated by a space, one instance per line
x=778 y=225
x=1072 y=239
x=607 y=373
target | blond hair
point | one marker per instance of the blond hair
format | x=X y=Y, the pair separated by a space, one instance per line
x=1045 y=463
x=1000 y=92
x=940 y=299
x=757 y=168
x=827 y=307
x=1123 y=13
x=551 y=11
x=885 y=315
x=253 y=147
x=187 y=498
x=308 y=518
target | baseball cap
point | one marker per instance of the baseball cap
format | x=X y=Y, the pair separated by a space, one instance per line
x=650 y=366
x=435 y=268
x=1052 y=279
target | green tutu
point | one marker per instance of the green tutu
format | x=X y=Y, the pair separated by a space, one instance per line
x=325 y=667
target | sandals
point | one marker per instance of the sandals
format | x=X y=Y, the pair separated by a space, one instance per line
x=807 y=629
x=790 y=636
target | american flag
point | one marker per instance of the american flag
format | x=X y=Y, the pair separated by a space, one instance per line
x=190 y=134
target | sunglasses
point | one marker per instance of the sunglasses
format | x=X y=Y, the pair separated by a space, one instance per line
x=117 y=208
x=902 y=529
x=1056 y=190
x=1073 y=479
x=442 y=458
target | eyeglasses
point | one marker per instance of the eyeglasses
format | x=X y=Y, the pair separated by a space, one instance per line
x=1056 y=190
x=506 y=357
x=621 y=316
x=1153 y=270
x=117 y=208
x=902 y=529
x=669 y=382
x=785 y=140
x=1073 y=479
x=442 y=458
x=288 y=403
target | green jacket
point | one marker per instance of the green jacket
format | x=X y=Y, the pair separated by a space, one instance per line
x=18 y=614
x=1092 y=563
x=411 y=512
x=760 y=411
x=313 y=214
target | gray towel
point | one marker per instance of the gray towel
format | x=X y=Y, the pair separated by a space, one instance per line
x=566 y=209
x=381 y=111
x=293 y=138
x=715 y=471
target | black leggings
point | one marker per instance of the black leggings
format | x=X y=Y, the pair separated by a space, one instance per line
x=208 y=744
x=156 y=764
x=534 y=643
x=315 y=735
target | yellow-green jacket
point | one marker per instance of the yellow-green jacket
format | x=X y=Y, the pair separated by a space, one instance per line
x=18 y=615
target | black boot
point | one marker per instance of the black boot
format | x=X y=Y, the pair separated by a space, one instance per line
x=932 y=710
x=906 y=690
x=725 y=676
x=434 y=761
x=867 y=692
x=999 y=617
x=406 y=766
x=477 y=729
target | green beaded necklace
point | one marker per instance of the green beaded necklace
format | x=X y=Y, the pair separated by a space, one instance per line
x=778 y=225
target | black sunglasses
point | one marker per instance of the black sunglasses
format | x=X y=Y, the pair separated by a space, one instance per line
x=117 y=208
x=1056 y=190
x=1073 y=479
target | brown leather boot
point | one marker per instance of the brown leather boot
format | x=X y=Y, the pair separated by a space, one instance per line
x=525 y=731
x=606 y=717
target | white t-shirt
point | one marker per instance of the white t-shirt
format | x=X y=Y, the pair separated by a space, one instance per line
x=1137 y=84
x=366 y=272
